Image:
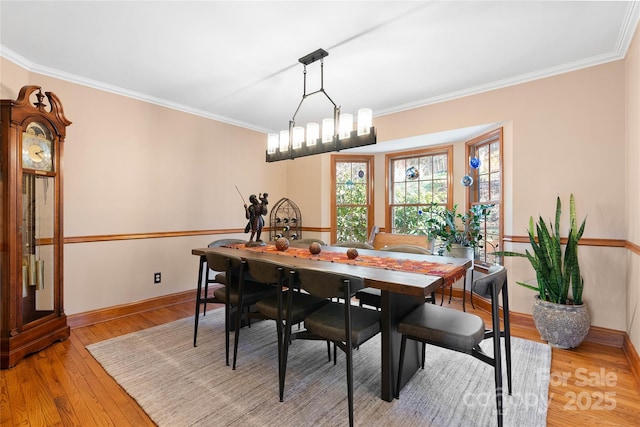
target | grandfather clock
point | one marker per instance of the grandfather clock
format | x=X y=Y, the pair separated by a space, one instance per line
x=33 y=129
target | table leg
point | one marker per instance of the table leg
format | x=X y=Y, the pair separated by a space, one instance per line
x=394 y=308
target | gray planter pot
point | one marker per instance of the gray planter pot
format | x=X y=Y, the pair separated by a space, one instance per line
x=562 y=326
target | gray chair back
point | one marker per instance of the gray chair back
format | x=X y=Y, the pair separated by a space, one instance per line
x=224 y=242
x=325 y=284
x=495 y=279
x=308 y=242
x=265 y=271
x=219 y=262
x=357 y=245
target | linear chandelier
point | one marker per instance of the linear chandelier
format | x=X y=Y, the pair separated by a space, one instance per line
x=337 y=132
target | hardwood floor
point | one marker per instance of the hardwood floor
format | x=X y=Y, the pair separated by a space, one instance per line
x=64 y=386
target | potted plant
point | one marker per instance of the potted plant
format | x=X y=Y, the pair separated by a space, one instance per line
x=431 y=222
x=562 y=320
x=462 y=241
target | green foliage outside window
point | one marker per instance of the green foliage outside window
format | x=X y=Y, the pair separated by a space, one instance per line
x=351 y=201
x=418 y=219
x=419 y=194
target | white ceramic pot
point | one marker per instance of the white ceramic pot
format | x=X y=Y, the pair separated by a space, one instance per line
x=459 y=251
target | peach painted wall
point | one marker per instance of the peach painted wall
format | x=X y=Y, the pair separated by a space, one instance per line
x=632 y=69
x=135 y=167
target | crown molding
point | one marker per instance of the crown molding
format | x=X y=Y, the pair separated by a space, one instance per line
x=94 y=84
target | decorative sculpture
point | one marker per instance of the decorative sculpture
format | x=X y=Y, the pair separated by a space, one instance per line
x=254 y=213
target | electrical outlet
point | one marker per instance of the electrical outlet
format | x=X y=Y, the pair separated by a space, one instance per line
x=157 y=277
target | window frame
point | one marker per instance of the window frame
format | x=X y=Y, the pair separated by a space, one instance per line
x=472 y=193
x=343 y=158
x=429 y=151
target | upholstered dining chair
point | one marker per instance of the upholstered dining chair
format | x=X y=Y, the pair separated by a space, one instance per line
x=356 y=245
x=238 y=294
x=346 y=325
x=307 y=242
x=210 y=277
x=274 y=307
x=463 y=332
x=372 y=297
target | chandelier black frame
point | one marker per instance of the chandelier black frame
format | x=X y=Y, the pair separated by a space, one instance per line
x=365 y=134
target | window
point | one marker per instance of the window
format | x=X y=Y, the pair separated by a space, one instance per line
x=487 y=188
x=352 y=204
x=418 y=182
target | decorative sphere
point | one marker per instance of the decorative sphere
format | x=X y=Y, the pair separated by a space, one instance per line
x=474 y=162
x=282 y=244
x=315 y=248
x=352 y=253
x=466 y=180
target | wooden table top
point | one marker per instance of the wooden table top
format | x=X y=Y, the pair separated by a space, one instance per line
x=403 y=282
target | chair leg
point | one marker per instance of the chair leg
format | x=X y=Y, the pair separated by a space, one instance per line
x=507 y=347
x=329 y=351
x=350 y=382
x=237 y=331
x=508 y=351
x=279 y=327
x=195 y=327
x=499 y=397
x=203 y=262
x=206 y=296
x=227 y=327
x=464 y=293
x=498 y=370
x=424 y=353
x=471 y=298
x=403 y=346
x=286 y=340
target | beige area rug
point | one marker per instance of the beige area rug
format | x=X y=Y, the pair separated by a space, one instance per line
x=181 y=385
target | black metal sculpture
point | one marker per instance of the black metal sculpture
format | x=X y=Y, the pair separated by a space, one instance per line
x=254 y=213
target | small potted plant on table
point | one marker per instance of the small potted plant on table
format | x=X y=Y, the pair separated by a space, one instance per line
x=461 y=242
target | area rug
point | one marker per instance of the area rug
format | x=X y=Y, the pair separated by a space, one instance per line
x=180 y=385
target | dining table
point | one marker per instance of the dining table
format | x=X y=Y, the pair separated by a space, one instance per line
x=404 y=279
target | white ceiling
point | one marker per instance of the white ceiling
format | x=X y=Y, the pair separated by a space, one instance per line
x=238 y=61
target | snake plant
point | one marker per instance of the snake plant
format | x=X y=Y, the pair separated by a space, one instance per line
x=555 y=273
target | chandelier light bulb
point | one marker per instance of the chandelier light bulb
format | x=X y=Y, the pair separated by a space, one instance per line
x=313 y=133
x=327 y=130
x=298 y=137
x=272 y=143
x=346 y=125
x=284 y=140
x=365 y=121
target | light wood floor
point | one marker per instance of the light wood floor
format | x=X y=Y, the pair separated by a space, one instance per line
x=64 y=386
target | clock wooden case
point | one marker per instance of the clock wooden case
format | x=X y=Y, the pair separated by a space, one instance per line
x=33 y=129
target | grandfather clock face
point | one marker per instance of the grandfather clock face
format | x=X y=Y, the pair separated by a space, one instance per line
x=37 y=145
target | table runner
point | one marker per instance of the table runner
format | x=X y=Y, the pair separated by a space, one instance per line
x=449 y=272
